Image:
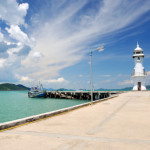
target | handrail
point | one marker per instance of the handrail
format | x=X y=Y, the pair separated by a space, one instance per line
x=139 y=74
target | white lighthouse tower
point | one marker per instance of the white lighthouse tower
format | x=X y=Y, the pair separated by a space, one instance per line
x=139 y=74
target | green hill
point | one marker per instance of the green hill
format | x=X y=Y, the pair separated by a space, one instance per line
x=12 y=87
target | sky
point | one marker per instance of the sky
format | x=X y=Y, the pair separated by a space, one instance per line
x=50 y=40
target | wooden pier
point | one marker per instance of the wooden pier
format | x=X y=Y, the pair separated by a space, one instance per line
x=82 y=95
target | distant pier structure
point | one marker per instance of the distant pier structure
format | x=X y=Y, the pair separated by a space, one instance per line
x=82 y=95
x=139 y=75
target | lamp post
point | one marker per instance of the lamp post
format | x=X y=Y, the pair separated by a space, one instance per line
x=99 y=49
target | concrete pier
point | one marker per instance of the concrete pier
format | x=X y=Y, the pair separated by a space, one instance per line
x=121 y=123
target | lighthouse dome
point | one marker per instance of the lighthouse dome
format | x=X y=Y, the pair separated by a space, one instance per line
x=138 y=52
x=138 y=48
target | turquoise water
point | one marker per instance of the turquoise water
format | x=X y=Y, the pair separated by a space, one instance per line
x=16 y=104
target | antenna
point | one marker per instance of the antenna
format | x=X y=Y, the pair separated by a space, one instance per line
x=137 y=44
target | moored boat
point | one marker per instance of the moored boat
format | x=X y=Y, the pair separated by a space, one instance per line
x=37 y=91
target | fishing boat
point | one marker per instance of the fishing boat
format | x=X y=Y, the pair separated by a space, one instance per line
x=37 y=91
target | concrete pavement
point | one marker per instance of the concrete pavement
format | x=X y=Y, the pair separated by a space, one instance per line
x=121 y=123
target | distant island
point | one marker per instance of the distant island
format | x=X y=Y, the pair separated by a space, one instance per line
x=13 y=87
x=100 y=89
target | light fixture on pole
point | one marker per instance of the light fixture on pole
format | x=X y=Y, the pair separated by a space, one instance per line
x=99 y=49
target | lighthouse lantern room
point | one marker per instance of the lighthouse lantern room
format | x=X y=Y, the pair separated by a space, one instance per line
x=139 y=75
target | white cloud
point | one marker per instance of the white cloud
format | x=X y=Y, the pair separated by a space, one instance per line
x=106 y=75
x=23 y=8
x=106 y=81
x=12 y=51
x=63 y=42
x=123 y=75
x=13 y=61
x=10 y=43
x=148 y=78
x=16 y=33
x=148 y=73
x=59 y=80
x=22 y=41
x=13 y=13
x=35 y=56
x=2 y=62
x=126 y=82
x=23 y=78
x=81 y=76
x=1 y=36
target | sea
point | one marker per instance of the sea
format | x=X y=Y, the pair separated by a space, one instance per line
x=16 y=105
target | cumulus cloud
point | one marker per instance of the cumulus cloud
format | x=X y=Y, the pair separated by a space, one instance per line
x=13 y=41
x=16 y=33
x=12 y=51
x=21 y=46
x=35 y=56
x=12 y=12
x=59 y=80
x=23 y=78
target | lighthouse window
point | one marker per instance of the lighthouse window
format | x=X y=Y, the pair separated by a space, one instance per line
x=138 y=58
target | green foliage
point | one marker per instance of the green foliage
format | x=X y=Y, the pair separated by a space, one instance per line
x=12 y=87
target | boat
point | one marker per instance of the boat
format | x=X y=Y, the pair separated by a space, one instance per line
x=37 y=91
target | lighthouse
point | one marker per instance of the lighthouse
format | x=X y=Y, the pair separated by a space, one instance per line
x=139 y=75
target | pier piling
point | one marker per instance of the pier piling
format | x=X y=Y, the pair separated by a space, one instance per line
x=81 y=95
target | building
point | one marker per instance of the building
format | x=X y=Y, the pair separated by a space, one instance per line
x=139 y=75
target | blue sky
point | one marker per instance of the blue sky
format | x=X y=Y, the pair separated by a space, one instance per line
x=50 y=40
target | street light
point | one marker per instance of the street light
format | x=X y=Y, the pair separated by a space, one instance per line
x=99 y=49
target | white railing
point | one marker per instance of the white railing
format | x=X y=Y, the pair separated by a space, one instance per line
x=139 y=74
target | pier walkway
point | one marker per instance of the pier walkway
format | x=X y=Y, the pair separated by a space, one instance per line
x=121 y=123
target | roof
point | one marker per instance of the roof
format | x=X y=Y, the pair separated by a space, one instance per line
x=138 y=49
